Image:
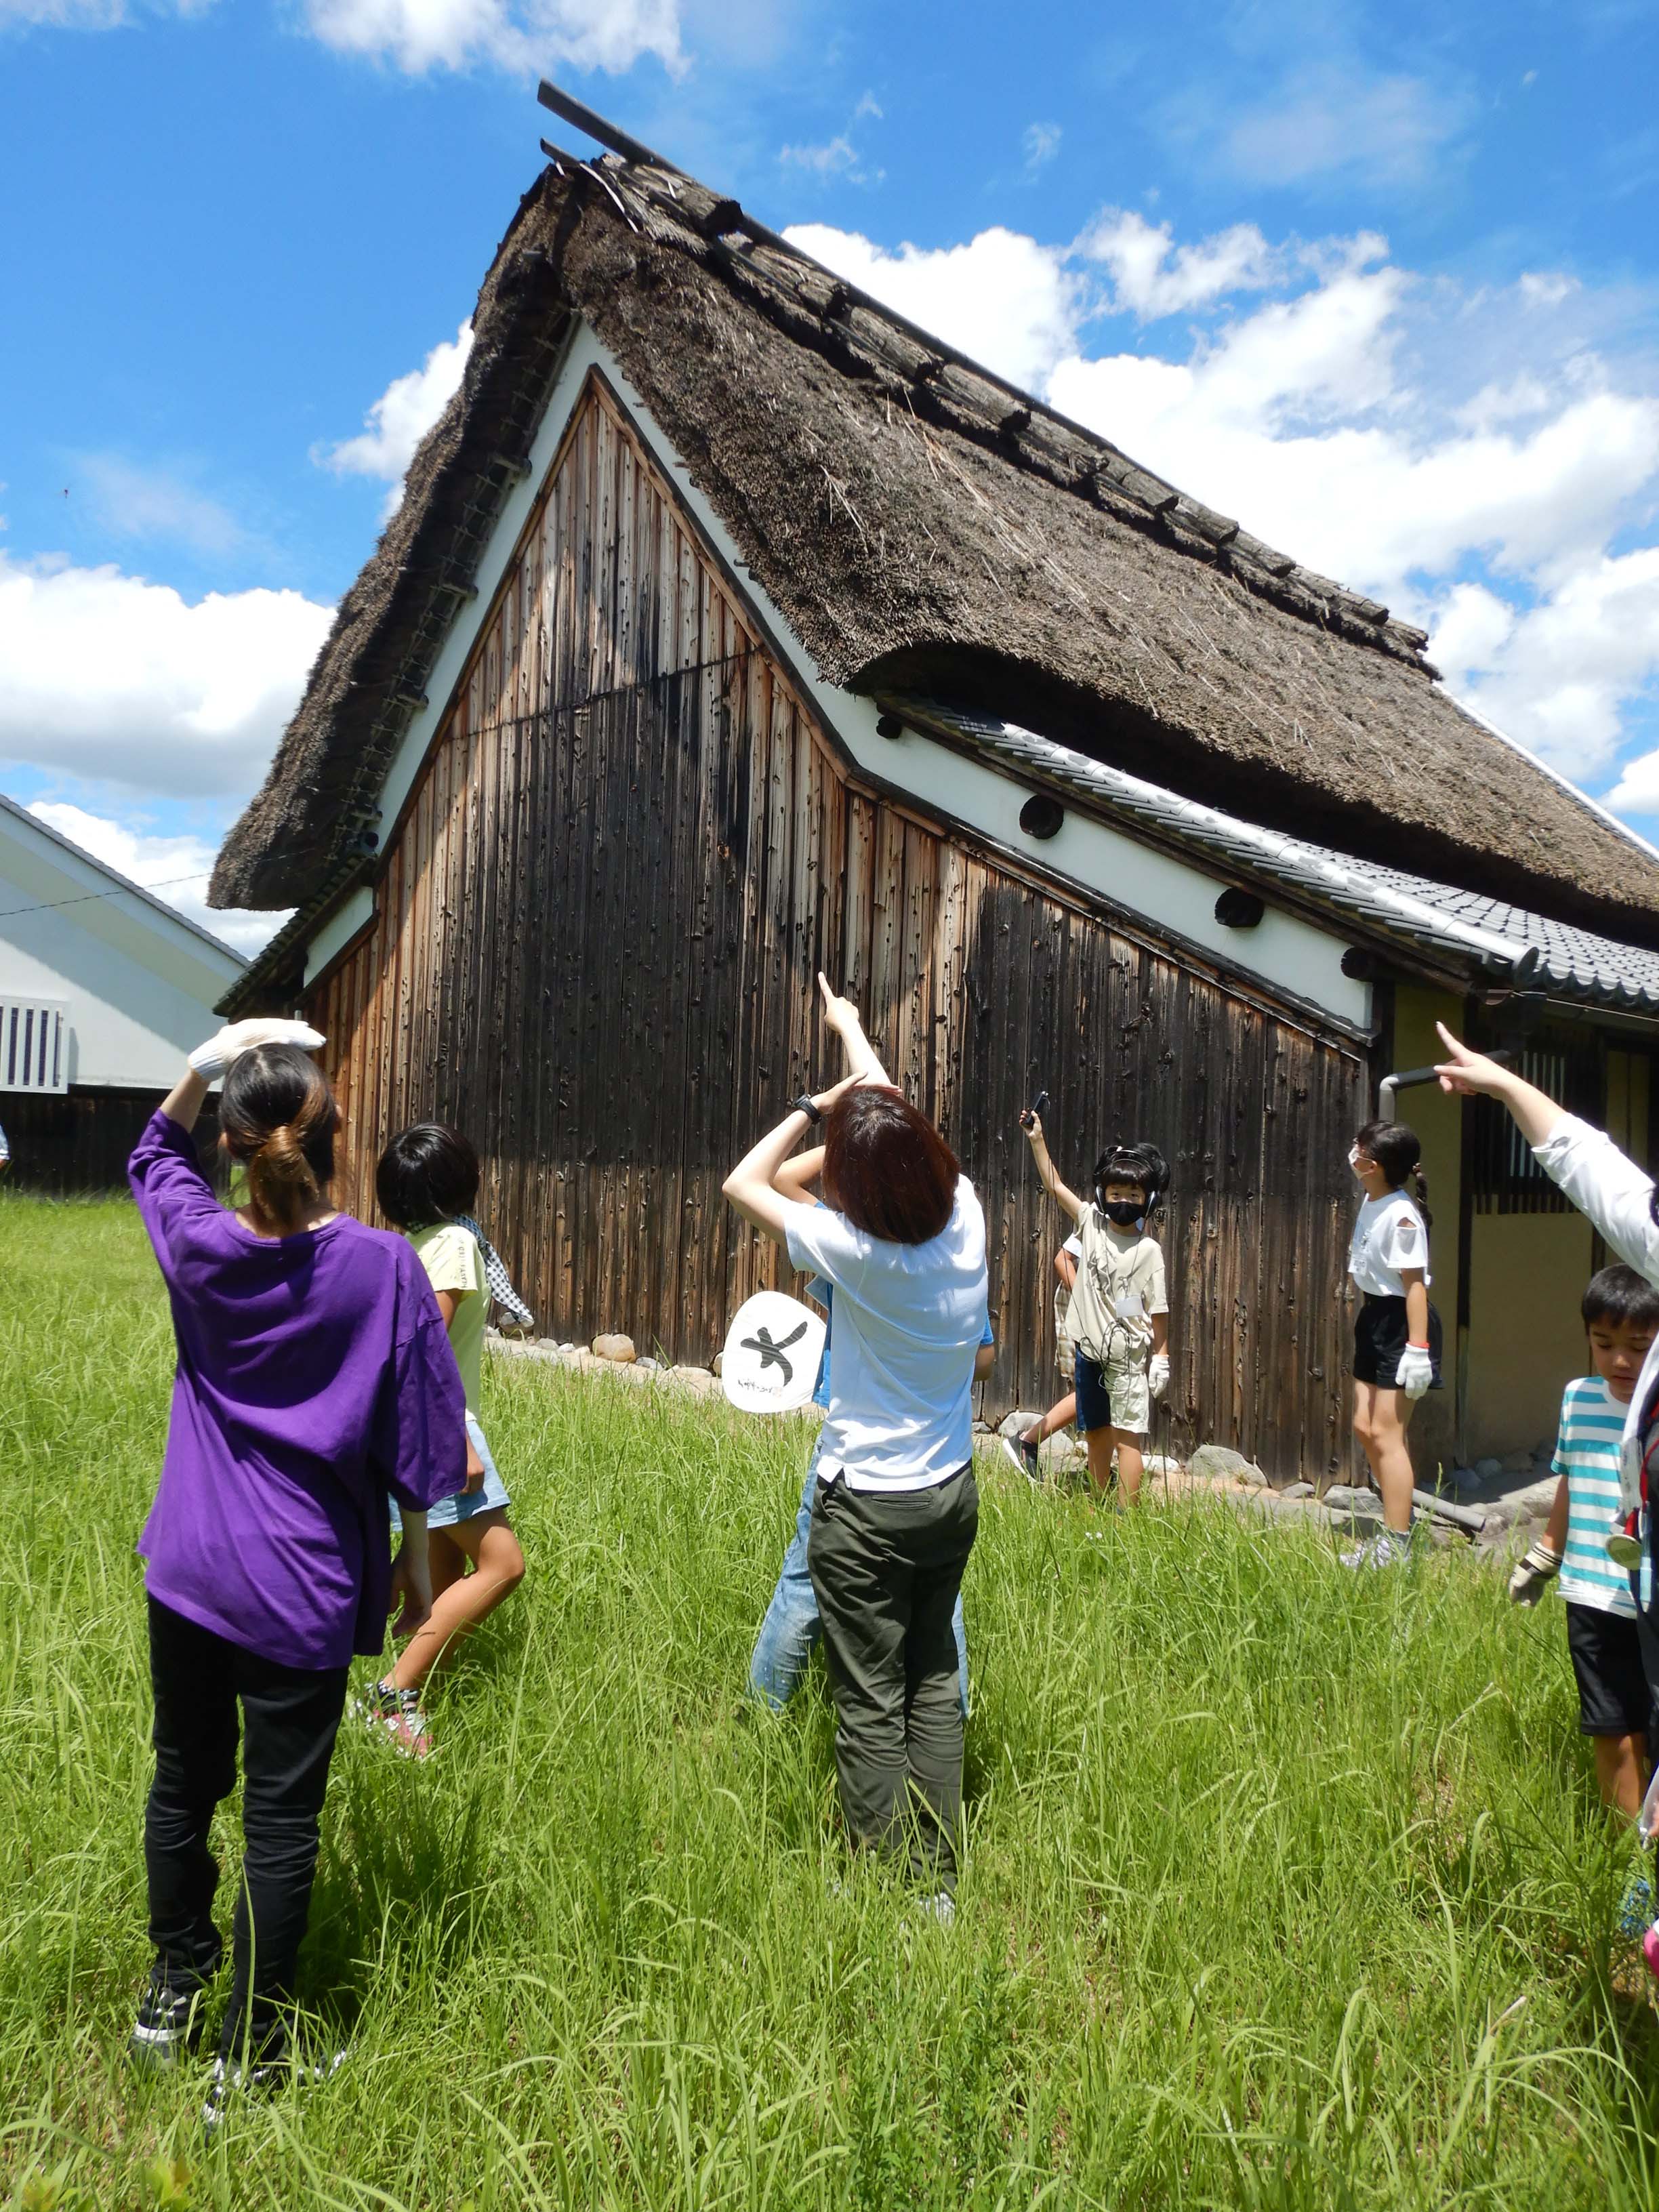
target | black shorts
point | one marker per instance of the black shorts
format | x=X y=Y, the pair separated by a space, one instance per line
x=1380 y=1335
x=1613 y=1698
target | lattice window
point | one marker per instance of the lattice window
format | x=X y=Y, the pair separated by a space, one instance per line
x=1507 y=1179
x=33 y=1044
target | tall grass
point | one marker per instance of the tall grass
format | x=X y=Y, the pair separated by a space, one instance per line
x=1280 y=1890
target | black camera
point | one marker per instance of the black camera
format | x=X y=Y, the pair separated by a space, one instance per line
x=1035 y=1110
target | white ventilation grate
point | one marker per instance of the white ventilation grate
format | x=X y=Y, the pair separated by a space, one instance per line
x=33 y=1044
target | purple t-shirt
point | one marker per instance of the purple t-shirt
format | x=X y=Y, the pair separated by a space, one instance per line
x=315 y=1376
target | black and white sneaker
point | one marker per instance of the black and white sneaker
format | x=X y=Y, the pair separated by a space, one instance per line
x=169 y=2026
x=1023 y=1450
x=294 y=2069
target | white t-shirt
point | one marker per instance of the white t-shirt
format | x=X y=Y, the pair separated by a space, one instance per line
x=1389 y=1235
x=910 y=1319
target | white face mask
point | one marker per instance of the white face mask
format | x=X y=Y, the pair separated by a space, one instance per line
x=1355 y=1156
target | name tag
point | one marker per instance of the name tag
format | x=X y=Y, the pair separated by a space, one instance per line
x=1129 y=1305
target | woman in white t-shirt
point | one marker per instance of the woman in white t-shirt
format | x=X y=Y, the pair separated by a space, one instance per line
x=901 y=1239
x=1397 y=1356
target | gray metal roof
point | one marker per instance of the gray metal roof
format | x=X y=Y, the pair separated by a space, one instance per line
x=1436 y=918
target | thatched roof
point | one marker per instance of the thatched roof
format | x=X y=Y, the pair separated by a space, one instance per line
x=924 y=528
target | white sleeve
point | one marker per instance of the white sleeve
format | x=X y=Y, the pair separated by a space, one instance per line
x=1612 y=1190
x=821 y=1242
x=1403 y=1242
x=1074 y=1246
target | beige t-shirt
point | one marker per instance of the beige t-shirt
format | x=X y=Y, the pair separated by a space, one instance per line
x=1120 y=1286
x=453 y=1263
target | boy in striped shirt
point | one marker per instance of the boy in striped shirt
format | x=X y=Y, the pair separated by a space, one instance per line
x=1621 y=1317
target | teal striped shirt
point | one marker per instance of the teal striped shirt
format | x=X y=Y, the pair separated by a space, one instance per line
x=1587 y=1453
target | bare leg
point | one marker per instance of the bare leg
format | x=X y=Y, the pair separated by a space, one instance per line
x=1380 y=1417
x=1058 y=1417
x=1099 y=1442
x=1129 y=1463
x=1621 y=1771
x=463 y=1601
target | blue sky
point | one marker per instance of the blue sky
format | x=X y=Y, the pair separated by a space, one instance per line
x=1392 y=297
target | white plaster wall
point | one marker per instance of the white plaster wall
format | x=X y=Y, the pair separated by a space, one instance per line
x=1170 y=895
x=140 y=990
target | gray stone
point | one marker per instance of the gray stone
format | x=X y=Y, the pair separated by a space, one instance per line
x=1489 y=1469
x=714 y=1363
x=1518 y=1462
x=1220 y=1463
x=1160 y=1463
x=1347 y=1498
x=649 y=1366
x=1298 y=1490
x=1017 y=1423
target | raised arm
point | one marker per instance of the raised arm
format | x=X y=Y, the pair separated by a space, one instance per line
x=795 y=1179
x=183 y=1103
x=753 y=1186
x=1067 y=1200
x=1605 y=1185
x=841 y=1016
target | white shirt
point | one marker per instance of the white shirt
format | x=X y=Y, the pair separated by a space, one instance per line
x=910 y=1319
x=1389 y=1235
x=1613 y=1193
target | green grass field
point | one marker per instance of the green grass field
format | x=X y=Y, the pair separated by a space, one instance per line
x=1280 y=1892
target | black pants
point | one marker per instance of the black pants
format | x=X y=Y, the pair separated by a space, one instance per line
x=886 y=1569
x=290 y=1716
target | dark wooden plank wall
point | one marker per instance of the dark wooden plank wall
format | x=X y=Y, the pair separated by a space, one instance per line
x=75 y=1141
x=594 y=949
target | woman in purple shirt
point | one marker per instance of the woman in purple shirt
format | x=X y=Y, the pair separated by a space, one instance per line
x=315 y=1376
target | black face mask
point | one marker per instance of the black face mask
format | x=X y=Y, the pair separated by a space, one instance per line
x=1125 y=1212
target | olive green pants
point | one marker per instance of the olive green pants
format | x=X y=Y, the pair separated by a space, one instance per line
x=886 y=1567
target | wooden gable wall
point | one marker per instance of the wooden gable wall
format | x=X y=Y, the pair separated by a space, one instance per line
x=596 y=929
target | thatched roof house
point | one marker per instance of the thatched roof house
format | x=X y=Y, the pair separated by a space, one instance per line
x=925 y=528
x=729 y=624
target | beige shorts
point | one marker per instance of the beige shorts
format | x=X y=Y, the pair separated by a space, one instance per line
x=1131 y=1399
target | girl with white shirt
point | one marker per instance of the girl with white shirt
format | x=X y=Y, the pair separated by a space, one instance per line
x=1396 y=1331
x=900 y=1238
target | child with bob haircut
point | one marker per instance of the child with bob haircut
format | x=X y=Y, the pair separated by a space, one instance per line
x=1118 y=1319
x=427 y=1184
x=1622 y=1318
x=1396 y=1355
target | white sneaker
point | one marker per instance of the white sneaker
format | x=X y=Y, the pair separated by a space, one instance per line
x=1387 y=1548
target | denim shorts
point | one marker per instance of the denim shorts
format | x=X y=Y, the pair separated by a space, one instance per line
x=490 y=1495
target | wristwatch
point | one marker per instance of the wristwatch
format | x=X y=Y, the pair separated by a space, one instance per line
x=806 y=1104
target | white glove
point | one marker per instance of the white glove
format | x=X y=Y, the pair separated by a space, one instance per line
x=1157 y=1376
x=1415 y=1371
x=212 y=1059
x=1540 y=1566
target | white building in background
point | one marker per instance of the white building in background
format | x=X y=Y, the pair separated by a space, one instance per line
x=104 y=988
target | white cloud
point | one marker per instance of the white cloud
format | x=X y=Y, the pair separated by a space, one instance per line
x=176 y=868
x=1041 y=144
x=104 y=674
x=395 y=425
x=134 y=501
x=1548 y=288
x=1152 y=278
x=89 y=15
x=1002 y=298
x=518 y=35
x=834 y=157
x=839 y=156
x=1336 y=118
